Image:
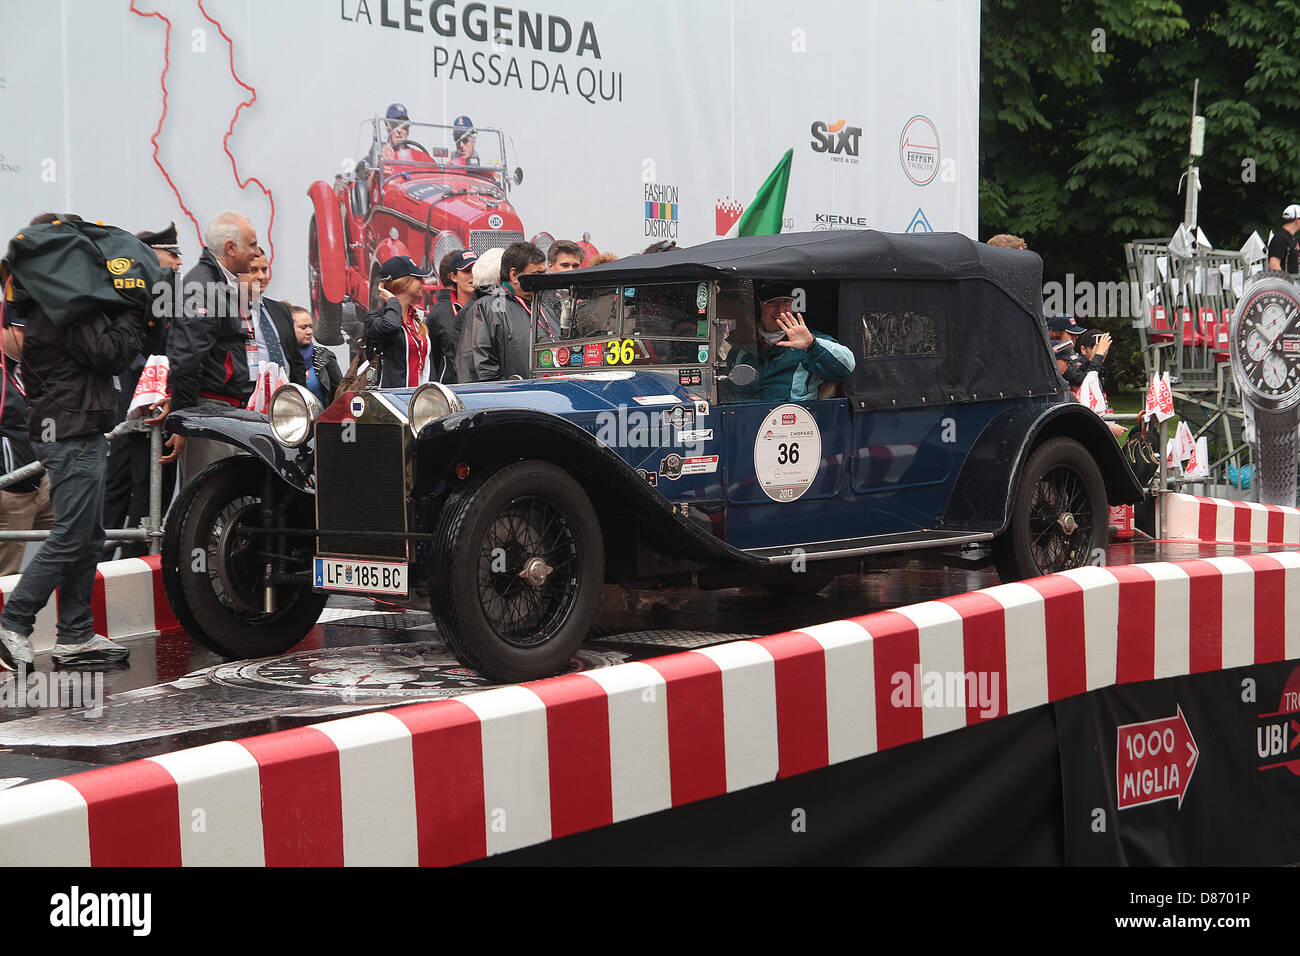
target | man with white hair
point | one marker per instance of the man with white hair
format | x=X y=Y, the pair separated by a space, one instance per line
x=211 y=347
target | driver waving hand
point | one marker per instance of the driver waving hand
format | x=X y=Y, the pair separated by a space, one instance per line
x=792 y=361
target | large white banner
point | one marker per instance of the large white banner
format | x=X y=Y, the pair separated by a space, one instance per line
x=630 y=122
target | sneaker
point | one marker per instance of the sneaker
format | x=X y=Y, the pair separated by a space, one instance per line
x=96 y=650
x=14 y=647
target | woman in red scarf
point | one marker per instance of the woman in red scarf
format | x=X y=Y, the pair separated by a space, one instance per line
x=397 y=337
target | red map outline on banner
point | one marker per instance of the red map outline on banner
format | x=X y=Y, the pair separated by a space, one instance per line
x=225 y=142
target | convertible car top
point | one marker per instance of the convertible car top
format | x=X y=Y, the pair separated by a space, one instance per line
x=859 y=254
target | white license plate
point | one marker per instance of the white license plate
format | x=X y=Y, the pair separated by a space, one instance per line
x=371 y=577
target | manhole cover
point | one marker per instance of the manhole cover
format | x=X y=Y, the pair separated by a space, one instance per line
x=684 y=640
x=380 y=670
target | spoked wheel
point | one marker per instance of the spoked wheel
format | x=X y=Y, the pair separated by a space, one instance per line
x=1058 y=518
x=213 y=566
x=328 y=315
x=517 y=572
x=527 y=572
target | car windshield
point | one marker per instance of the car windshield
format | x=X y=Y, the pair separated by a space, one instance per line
x=643 y=324
x=434 y=145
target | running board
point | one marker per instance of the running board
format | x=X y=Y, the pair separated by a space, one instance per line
x=909 y=541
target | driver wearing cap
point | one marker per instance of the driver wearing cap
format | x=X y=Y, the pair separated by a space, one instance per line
x=792 y=361
x=399 y=125
x=465 y=136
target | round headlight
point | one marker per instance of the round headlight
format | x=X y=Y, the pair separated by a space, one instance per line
x=293 y=409
x=431 y=402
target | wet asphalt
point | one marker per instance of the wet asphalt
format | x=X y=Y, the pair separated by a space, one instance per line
x=173 y=693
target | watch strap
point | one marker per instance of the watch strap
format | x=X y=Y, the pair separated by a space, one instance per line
x=1277 y=457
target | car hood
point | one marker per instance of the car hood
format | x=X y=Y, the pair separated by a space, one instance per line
x=573 y=394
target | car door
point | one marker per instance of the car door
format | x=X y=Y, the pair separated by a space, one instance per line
x=785 y=472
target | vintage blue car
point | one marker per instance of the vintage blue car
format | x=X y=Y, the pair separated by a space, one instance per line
x=643 y=452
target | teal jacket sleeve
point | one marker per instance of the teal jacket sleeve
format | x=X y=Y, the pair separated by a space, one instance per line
x=828 y=360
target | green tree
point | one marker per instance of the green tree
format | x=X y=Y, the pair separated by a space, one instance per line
x=1085 y=108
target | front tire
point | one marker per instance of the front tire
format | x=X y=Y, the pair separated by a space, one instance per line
x=328 y=328
x=1058 y=517
x=517 y=572
x=212 y=573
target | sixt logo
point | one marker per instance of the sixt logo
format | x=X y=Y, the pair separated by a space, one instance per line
x=836 y=139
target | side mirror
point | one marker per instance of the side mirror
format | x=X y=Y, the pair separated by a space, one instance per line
x=518 y=176
x=741 y=376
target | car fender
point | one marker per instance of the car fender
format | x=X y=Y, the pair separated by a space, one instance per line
x=248 y=431
x=986 y=485
x=329 y=236
x=491 y=436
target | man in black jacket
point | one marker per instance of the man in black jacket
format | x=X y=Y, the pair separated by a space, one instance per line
x=445 y=319
x=71 y=402
x=211 y=348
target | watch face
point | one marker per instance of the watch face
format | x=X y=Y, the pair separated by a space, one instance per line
x=1266 y=345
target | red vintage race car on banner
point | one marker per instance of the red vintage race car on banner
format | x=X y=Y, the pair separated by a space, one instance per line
x=422 y=190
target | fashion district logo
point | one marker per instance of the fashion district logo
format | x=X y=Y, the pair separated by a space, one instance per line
x=661 y=203
x=838 y=140
x=918 y=150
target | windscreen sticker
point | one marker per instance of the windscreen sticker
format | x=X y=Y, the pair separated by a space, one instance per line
x=562 y=356
x=591 y=354
x=650 y=477
x=787 y=452
x=701 y=408
x=704 y=353
x=544 y=358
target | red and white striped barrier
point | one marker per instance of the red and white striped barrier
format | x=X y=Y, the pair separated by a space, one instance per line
x=489 y=772
x=128 y=601
x=1190 y=517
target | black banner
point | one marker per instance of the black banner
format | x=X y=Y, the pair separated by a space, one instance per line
x=1187 y=771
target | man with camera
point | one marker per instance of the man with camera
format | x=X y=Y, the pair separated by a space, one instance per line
x=68 y=373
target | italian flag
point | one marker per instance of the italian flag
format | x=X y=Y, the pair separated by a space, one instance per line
x=763 y=215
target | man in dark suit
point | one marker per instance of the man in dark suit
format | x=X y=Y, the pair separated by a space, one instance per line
x=272 y=323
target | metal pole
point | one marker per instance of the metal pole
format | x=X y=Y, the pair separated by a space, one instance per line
x=1164 y=483
x=1189 y=207
x=155 y=489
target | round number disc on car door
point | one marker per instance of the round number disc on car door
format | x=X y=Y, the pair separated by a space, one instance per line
x=787 y=452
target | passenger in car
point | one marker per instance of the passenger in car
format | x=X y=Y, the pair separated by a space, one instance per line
x=792 y=361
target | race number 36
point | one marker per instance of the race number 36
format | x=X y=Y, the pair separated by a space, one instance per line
x=620 y=353
x=787 y=452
